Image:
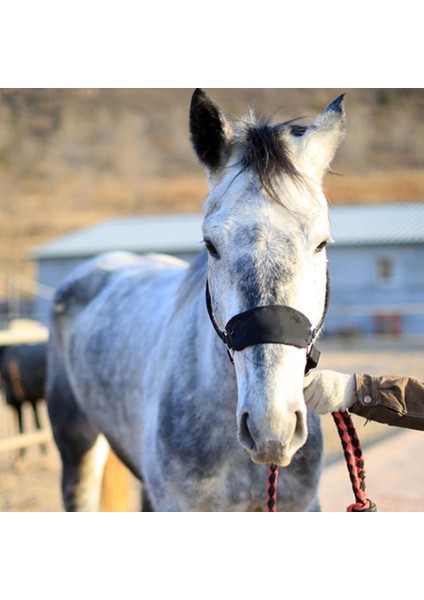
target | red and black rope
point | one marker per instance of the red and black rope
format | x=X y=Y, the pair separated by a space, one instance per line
x=354 y=461
x=271 y=503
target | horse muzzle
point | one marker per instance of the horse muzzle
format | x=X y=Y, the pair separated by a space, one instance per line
x=278 y=447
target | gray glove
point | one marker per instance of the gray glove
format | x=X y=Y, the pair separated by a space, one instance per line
x=329 y=391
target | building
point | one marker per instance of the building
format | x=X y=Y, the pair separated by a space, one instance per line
x=376 y=266
x=179 y=235
x=376 y=262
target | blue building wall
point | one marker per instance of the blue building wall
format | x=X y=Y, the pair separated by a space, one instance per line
x=376 y=289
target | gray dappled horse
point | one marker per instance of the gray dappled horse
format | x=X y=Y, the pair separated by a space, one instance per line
x=134 y=360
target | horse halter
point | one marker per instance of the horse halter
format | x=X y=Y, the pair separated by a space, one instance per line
x=273 y=324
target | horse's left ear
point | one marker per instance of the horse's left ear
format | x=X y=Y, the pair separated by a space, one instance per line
x=322 y=139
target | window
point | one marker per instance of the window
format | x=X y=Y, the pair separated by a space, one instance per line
x=387 y=271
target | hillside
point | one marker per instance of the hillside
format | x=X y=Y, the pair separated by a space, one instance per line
x=70 y=158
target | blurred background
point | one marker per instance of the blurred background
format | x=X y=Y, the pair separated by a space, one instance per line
x=72 y=160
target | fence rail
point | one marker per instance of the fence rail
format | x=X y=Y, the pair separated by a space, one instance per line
x=24 y=440
x=23 y=335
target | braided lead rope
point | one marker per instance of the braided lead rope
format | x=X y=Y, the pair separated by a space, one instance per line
x=354 y=461
x=271 y=503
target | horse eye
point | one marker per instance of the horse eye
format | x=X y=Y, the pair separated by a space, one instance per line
x=211 y=249
x=321 y=246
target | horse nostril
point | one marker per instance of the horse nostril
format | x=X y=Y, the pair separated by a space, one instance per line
x=300 y=428
x=245 y=436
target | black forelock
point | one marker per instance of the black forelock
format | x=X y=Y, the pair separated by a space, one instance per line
x=266 y=152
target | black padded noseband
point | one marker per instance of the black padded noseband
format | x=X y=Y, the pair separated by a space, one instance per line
x=274 y=324
x=269 y=325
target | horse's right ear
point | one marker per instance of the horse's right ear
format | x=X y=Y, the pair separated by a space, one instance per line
x=209 y=130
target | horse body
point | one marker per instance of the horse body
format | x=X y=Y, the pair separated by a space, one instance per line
x=159 y=418
x=135 y=360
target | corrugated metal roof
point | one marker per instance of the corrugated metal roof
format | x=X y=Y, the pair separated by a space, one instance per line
x=164 y=233
x=377 y=224
x=351 y=225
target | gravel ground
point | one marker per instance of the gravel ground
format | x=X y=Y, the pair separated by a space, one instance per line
x=32 y=483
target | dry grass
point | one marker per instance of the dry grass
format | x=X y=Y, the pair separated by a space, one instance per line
x=376 y=188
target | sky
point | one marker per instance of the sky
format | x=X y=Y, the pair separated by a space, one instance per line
x=226 y=44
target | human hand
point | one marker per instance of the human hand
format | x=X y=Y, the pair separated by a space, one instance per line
x=329 y=391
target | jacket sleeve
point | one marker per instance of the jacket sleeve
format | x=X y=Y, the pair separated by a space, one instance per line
x=390 y=399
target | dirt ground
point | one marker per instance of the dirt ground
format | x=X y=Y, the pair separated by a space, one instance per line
x=32 y=483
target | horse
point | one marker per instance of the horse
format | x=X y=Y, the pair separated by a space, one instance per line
x=136 y=354
x=23 y=377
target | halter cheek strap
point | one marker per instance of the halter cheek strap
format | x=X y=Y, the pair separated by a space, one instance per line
x=274 y=324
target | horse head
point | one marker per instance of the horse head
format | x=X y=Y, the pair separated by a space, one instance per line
x=265 y=228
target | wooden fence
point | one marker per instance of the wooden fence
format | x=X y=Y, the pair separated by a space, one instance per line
x=117 y=479
x=24 y=440
x=23 y=335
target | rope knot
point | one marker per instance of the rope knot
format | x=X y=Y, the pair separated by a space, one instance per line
x=368 y=506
